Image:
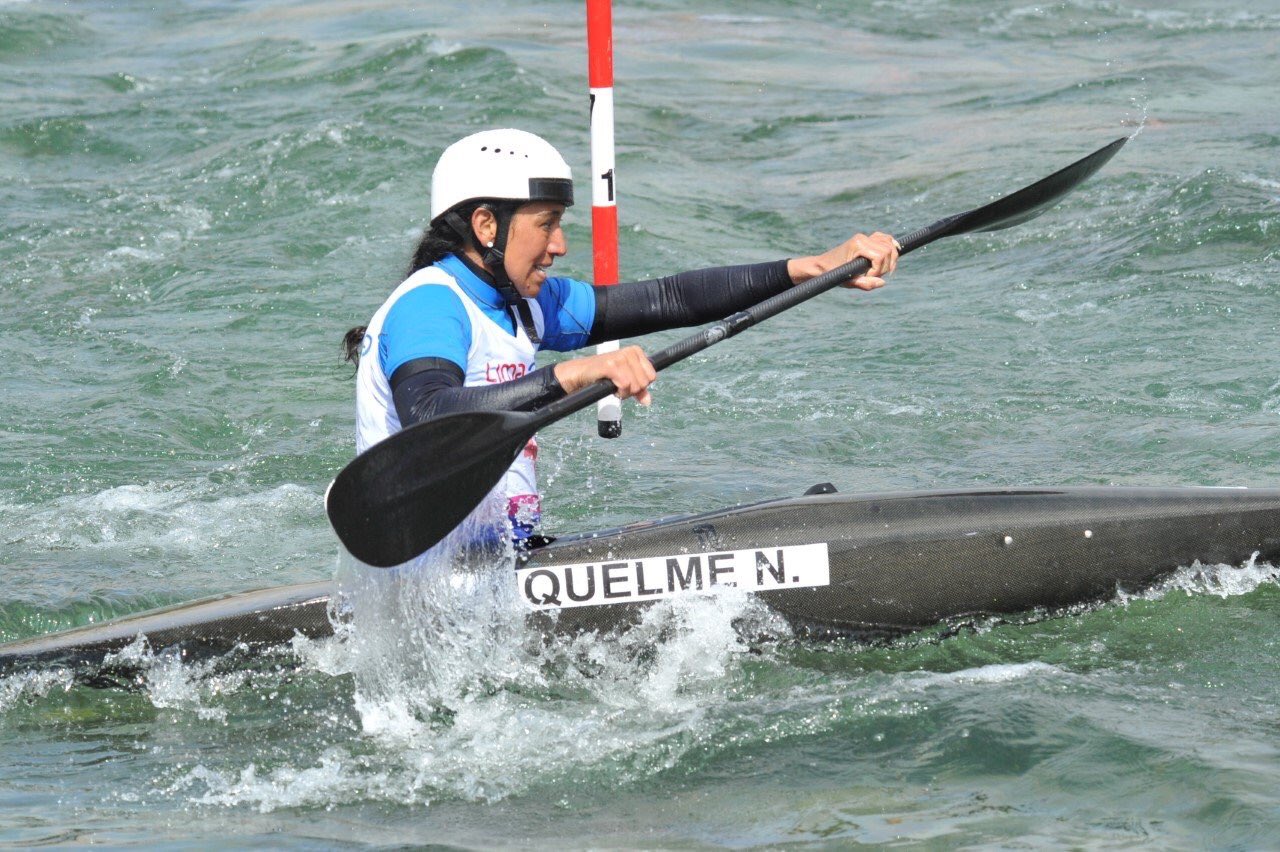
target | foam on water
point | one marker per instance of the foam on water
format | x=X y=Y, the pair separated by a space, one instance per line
x=1224 y=581
x=457 y=698
x=33 y=684
x=85 y=557
x=988 y=674
x=170 y=683
x=171 y=514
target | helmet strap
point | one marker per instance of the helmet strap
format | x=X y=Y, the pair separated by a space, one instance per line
x=493 y=255
x=524 y=316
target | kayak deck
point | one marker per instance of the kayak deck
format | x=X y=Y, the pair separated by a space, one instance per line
x=865 y=566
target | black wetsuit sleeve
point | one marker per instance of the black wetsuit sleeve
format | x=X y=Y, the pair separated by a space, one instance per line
x=688 y=298
x=430 y=387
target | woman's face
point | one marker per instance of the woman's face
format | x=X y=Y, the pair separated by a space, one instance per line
x=534 y=241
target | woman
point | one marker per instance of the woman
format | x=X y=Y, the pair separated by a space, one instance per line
x=460 y=333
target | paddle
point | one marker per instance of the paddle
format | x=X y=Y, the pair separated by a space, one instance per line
x=406 y=493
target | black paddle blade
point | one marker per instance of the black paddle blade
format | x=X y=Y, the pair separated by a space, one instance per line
x=390 y=505
x=1030 y=202
x=1017 y=207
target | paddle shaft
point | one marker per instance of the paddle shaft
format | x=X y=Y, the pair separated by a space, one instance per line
x=738 y=323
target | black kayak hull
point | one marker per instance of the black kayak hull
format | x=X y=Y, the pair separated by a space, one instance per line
x=870 y=566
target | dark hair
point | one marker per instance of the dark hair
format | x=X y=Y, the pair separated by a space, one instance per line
x=438 y=240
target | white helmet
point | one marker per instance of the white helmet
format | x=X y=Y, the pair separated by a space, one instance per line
x=501 y=164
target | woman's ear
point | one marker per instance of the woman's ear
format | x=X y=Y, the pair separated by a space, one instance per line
x=484 y=226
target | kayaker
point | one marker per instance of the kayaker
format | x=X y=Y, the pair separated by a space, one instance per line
x=461 y=331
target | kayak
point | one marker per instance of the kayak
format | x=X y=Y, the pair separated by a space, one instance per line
x=867 y=566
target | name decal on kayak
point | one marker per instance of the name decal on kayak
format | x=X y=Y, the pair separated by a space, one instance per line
x=617 y=581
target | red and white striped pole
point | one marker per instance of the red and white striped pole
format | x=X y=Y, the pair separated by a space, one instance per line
x=604 y=206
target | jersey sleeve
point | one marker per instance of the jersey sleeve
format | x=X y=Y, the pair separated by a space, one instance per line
x=568 y=313
x=426 y=322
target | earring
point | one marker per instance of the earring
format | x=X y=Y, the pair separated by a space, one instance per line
x=489 y=244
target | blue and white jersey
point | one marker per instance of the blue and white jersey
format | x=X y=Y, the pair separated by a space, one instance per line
x=446 y=311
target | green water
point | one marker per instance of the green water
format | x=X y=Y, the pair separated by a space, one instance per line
x=198 y=199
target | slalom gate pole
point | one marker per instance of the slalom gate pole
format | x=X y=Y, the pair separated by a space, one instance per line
x=604 y=207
